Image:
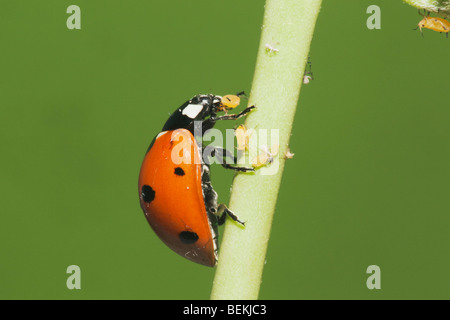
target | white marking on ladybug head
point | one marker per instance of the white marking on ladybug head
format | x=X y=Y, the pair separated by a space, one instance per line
x=192 y=110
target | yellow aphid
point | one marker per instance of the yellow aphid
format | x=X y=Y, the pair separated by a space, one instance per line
x=230 y=101
x=289 y=154
x=265 y=157
x=433 y=23
x=242 y=137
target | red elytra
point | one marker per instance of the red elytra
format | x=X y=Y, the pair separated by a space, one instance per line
x=172 y=198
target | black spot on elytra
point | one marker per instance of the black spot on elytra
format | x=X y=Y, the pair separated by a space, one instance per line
x=148 y=194
x=188 y=237
x=179 y=171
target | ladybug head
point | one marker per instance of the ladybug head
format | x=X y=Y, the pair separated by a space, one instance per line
x=209 y=102
x=212 y=103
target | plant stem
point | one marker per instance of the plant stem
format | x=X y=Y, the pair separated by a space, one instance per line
x=441 y=6
x=286 y=36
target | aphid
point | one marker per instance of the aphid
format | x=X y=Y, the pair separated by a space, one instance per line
x=265 y=157
x=289 y=154
x=270 y=48
x=230 y=101
x=308 y=75
x=242 y=137
x=433 y=23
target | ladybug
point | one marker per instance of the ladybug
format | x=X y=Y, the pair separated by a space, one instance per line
x=175 y=188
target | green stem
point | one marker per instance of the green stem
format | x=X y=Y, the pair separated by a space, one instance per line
x=286 y=36
x=441 y=6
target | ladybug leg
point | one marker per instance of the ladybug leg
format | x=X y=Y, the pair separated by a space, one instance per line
x=223 y=212
x=210 y=198
x=210 y=195
x=221 y=154
x=211 y=121
x=233 y=116
x=239 y=169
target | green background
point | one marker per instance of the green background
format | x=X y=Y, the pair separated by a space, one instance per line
x=369 y=183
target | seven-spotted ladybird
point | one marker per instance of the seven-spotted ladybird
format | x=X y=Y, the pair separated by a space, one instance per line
x=175 y=188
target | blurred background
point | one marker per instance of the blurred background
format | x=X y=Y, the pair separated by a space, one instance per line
x=369 y=183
